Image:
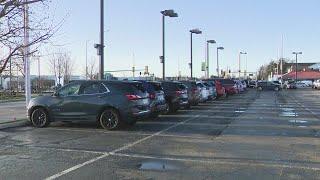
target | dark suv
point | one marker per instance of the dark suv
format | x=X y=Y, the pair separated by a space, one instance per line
x=111 y=103
x=267 y=85
x=193 y=92
x=176 y=95
x=158 y=103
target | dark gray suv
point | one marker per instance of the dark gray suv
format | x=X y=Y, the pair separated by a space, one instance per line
x=111 y=103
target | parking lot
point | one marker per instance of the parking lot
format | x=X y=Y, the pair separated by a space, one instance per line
x=254 y=135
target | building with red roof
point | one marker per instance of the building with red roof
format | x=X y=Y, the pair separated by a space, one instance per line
x=302 y=75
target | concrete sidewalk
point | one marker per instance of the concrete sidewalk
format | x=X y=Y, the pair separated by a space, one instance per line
x=11 y=112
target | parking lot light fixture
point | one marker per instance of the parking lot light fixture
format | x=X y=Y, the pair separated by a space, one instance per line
x=193 y=31
x=296 y=53
x=218 y=68
x=241 y=53
x=207 y=64
x=168 y=13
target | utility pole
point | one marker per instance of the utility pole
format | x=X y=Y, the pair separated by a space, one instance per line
x=10 y=73
x=86 y=59
x=191 y=56
x=296 y=53
x=26 y=54
x=39 y=76
x=101 y=39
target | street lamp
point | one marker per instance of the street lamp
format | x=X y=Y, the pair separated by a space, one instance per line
x=207 y=67
x=218 y=69
x=296 y=53
x=168 y=13
x=193 y=31
x=241 y=53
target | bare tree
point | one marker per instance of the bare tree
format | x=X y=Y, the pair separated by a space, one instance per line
x=93 y=69
x=61 y=66
x=12 y=28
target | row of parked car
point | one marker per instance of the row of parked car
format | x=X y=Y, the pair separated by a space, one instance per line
x=114 y=104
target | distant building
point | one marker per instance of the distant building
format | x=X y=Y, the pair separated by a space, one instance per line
x=301 y=66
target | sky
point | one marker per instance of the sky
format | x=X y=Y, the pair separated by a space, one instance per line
x=133 y=33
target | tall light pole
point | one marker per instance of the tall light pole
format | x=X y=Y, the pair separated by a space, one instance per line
x=207 y=64
x=193 y=31
x=241 y=53
x=26 y=54
x=218 y=68
x=101 y=39
x=87 y=59
x=168 y=13
x=296 y=53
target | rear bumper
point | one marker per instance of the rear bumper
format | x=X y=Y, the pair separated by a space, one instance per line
x=160 y=108
x=141 y=113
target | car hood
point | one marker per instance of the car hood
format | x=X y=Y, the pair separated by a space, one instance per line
x=41 y=101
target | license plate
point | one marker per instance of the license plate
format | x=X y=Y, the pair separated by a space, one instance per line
x=145 y=101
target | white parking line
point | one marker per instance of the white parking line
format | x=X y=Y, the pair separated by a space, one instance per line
x=148 y=137
x=55 y=176
x=216 y=161
x=76 y=167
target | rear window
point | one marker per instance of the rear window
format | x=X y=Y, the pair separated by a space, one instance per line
x=173 y=86
x=157 y=86
x=200 y=85
x=138 y=86
x=125 y=87
x=227 y=81
x=181 y=86
x=262 y=83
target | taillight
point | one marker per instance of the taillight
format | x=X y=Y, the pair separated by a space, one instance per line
x=132 y=97
x=194 y=90
x=152 y=95
x=178 y=93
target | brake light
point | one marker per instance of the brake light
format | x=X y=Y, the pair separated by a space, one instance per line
x=152 y=95
x=194 y=90
x=132 y=97
x=178 y=93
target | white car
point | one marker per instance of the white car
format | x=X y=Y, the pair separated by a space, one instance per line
x=308 y=83
x=301 y=85
x=316 y=84
x=204 y=92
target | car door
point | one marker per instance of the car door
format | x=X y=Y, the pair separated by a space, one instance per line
x=93 y=97
x=67 y=105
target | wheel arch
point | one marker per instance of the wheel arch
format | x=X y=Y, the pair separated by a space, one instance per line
x=37 y=107
x=108 y=107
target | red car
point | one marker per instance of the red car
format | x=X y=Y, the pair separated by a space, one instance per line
x=230 y=86
x=221 y=91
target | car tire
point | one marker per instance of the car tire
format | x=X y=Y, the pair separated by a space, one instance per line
x=110 y=119
x=40 y=118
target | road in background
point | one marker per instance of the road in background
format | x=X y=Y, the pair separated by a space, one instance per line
x=11 y=111
x=256 y=135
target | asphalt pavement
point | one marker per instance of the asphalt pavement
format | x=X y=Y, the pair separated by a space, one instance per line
x=12 y=111
x=255 y=135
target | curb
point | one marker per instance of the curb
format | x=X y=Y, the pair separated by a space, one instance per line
x=14 y=100
x=14 y=124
